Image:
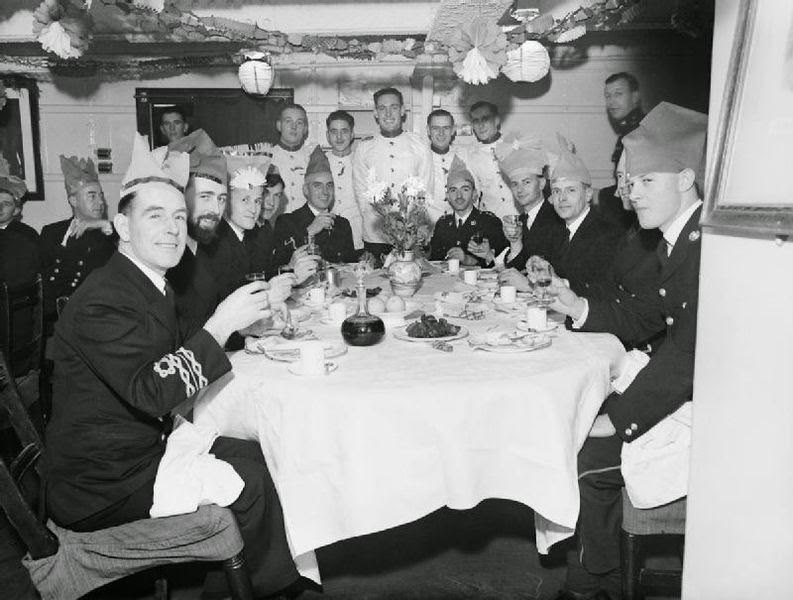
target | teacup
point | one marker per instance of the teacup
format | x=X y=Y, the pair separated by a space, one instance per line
x=337 y=312
x=454 y=265
x=312 y=358
x=537 y=318
x=316 y=296
x=508 y=294
x=470 y=277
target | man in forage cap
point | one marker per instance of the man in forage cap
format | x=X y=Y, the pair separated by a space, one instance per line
x=72 y=248
x=122 y=364
x=315 y=220
x=472 y=236
x=664 y=158
x=539 y=231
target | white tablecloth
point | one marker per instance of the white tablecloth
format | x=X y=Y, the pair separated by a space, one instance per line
x=402 y=429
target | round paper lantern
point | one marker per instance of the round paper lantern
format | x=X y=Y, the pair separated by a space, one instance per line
x=528 y=62
x=256 y=74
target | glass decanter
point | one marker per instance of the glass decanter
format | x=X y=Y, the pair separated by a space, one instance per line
x=362 y=328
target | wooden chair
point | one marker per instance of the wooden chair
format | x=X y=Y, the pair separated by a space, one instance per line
x=637 y=524
x=66 y=565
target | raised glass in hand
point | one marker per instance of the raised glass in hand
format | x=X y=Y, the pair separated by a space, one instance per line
x=540 y=274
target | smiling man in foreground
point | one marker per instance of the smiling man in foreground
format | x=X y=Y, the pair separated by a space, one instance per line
x=664 y=156
x=121 y=366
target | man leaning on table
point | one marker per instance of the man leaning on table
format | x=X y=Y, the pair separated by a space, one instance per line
x=472 y=236
x=121 y=365
x=663 y=156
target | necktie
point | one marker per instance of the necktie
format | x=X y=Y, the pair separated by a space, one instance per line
x=524 y=218
x=459 y=223
x=169 y=295
x=663 y=252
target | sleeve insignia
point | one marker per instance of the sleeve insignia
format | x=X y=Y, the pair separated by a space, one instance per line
x=184 y=362
x=693 y=236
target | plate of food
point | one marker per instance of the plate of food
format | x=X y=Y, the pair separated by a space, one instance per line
x=282 y=350
x=430 y=329
x=352 y=293
x=509 y=343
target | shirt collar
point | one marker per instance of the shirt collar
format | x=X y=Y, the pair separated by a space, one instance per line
x=438 y=152
x=291 y=148
x=238 y=231
x=464 y=216
x=191 y=244
x=531 y=214
x=673 y=232
x=157 y=279
x=388 y=135
x=316 y=211
x=573 y=227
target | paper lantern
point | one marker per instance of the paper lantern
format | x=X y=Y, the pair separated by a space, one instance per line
x=477 y=51
x=256 y=74
x=528 y=62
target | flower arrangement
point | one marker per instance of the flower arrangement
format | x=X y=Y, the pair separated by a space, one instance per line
x=403 y=212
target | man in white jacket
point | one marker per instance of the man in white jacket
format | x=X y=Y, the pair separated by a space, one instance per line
x=340 y=133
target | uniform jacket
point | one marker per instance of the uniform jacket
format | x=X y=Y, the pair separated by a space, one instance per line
x=292 y=165
x=335 y=244
x=546 y=238
x=609 y=206
x=390 y=160
x=586 y=259
x=345 y=203
x=196 y=291
x=120 y=367
x=230 y=259
x=19 y=254
x=447 y=235
x=441 y=163
x=496 y=193
x=64 y=268
x=667 y=381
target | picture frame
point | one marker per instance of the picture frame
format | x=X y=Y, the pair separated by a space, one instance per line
x=19 y=134
x=754 y=141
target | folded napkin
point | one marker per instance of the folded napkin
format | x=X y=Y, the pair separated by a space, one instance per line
x=189 y=476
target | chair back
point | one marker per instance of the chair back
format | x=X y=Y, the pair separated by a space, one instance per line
x=21 y=484
x=22 y=326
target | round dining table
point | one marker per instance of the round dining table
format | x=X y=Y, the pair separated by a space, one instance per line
x=401 y=429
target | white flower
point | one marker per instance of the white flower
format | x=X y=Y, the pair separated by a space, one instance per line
x=413 y=187
x=53 y=38
x=376 y=190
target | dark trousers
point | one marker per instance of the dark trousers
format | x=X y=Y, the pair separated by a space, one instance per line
x=600 y=484
x=257 y=510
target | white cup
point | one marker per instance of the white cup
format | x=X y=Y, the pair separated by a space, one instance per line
x=508 y=294
x=537 y=318
x=312 y=358
x=454 y=265
x=316 y=295
x=470 y=277
x=337 y=312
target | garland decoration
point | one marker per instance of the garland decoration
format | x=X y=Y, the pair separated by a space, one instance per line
x=478 y=51
x=63 y=28
x=2 y=95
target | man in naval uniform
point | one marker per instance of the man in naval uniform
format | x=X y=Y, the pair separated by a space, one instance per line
x=340 y=133
x=663 y=156
x=72 y=248
x=390 y=157
x=315 y=220
x=473 y=236
x=440 y=129
x=121 y=366
x=19 y=247
x=290 y=155
x=539 y=231
x=481 y=159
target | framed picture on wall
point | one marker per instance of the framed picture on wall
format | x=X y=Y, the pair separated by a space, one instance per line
x=19 y=134
x=228 y=115
x=747 y=190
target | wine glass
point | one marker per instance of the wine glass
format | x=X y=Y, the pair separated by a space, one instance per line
x=511 y=226
x=540 y=274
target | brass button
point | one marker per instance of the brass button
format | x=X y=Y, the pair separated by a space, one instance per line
x=662 y=292
x=634 y=426
x=670 y=321
x=628 y=432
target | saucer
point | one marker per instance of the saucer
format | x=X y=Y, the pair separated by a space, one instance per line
x=549 y=326
x=294 y=369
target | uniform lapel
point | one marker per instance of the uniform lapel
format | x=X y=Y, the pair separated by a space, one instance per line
x=688 y=236
x=156 y=303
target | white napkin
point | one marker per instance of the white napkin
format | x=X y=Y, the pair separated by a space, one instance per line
x=627 y=370
x=189 y=476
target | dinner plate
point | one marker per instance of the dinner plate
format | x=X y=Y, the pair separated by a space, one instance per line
x=292 y=354
x=527 y=344
x=550 y=326
x=402 y=334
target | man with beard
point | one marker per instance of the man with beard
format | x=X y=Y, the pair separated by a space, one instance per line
x=340 y=133
x=391 y=157
x=481 y=159
x=290 y=155
x=72 y=248
x=539 y=230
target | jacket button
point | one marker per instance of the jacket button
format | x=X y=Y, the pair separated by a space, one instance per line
x=57 y=261
x=634 y=426
x=79 y=263
x=56 y=270
x=662 y=292
x=52 y=279
x=74 y=284
x=670 y=321
x=78 y=274
x=628 y=432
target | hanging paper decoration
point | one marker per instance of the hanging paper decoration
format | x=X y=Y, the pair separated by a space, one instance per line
x=478 y=51
x=255 y=74
x=528 y=62
x=570 y=35
x=2 y=95
x=63 y=27
x=154 y=5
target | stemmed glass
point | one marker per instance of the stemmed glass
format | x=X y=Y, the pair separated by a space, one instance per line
x=511 y=227
x=540 y=274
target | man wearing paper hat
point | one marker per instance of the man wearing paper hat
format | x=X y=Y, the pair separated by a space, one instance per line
x=664 y=157
x=315 y=220
x=472 y=236
x=121 y=366
x=74 y=247
x=539 y=230
x=195 y=286
x=390 y=157
x=588 y=250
